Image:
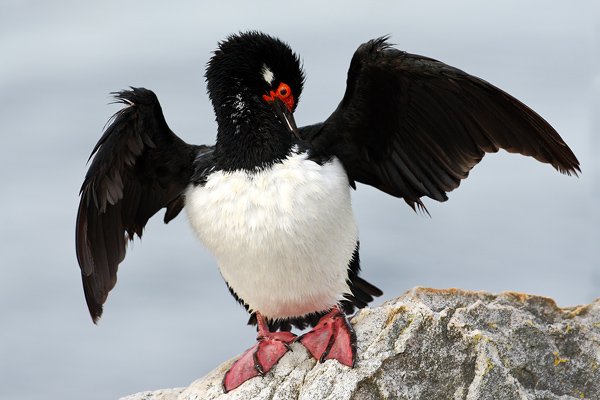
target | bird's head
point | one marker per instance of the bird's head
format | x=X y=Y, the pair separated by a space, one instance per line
x=254 y=73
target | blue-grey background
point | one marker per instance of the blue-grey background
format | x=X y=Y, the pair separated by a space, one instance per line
x=514 y=224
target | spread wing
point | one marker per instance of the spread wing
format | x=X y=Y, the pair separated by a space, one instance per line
x=139 y=167
x=412 y=126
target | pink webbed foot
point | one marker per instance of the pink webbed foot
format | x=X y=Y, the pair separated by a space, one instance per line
x=332 y=339
x=260 y=358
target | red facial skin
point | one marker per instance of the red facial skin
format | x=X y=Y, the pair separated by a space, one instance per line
x=283 y=93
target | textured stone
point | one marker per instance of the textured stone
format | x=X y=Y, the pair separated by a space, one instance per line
x=440 y=344
x=162 y=394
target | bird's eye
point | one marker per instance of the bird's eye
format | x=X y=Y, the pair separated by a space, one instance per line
x=284 y=93
x=283 y=90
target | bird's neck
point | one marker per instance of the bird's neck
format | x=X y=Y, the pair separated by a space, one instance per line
x=249 y=138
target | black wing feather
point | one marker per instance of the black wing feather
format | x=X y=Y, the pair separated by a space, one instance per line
x=139 y=166
x=412 y=126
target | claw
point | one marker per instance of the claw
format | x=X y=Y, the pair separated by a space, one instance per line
x=257 y=366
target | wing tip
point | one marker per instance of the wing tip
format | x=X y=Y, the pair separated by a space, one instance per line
x=95 y=318
x=95 y=308
x=570 y=167
x=94 y=299
x=379 y=44
x=573 y=170
x=133 y=96
x=418 y=206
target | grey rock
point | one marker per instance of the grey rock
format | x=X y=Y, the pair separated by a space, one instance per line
x=162 y=394
x=440 y=344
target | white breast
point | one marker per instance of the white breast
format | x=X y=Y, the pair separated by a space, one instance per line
x=282 y=237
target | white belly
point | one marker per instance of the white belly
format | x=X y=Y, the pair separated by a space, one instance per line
x=282 y=237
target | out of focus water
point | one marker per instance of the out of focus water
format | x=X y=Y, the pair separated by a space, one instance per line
x=513 y=225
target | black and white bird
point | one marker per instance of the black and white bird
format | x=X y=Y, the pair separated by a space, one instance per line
x=272 y=201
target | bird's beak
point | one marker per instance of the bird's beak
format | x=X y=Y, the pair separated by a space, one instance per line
x=285 y=116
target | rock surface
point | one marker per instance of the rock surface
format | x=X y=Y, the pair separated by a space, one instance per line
x=439 y=344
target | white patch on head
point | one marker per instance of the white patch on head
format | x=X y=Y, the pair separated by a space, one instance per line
x=283 y=237
x=267 y=74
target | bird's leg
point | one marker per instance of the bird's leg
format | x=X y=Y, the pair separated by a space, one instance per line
x=332 y=338
x=260 y=358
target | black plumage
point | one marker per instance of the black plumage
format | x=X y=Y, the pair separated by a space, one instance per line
x=139 y=167
x=408 y=125
x=412 y=126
